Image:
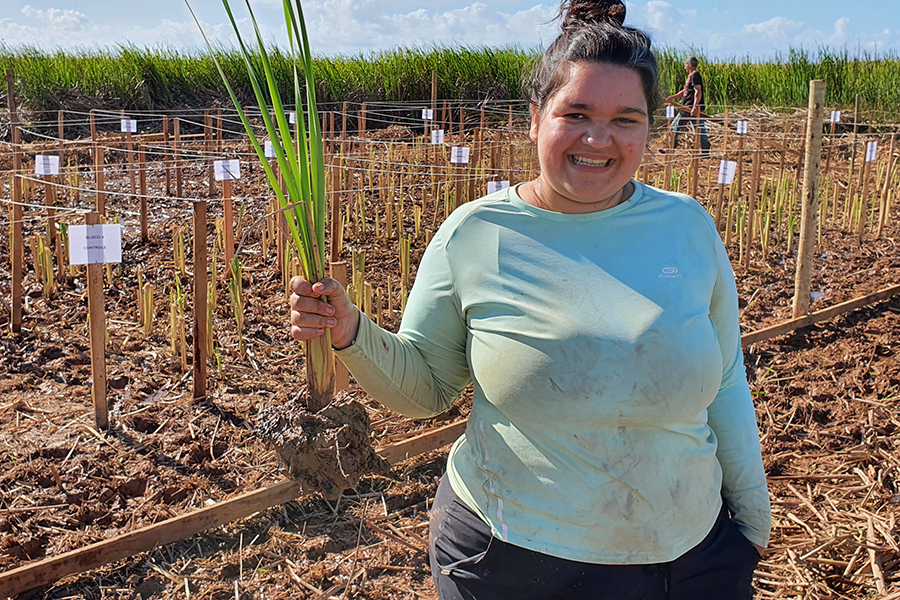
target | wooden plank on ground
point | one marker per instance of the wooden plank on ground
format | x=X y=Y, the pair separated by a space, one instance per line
x=818 y=316
x=420 y=444
x=52 y=569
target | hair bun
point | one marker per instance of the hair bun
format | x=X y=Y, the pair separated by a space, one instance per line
x=577 y=13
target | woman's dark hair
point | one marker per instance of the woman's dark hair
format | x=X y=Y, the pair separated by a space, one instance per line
x=593 y=32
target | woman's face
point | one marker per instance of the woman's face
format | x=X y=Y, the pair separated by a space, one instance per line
x=590 y=137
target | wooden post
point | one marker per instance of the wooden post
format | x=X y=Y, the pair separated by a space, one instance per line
x=17 y=248
x=228 y=210
x=93 y=126
x=167 y=155
x=885 y=190
x=720 y=198
x=695 y=165
x=362 y=118
x=142 y=179
x=669 y=155
x=751 y=203
x=808 y=216
x=853 y=151
x=208 y=147
x=178 y=181
x=341 y=374
x=864 y=192
x=97 y=319
x=740 y=164
x=218 y=133
x=201 y=326
x=100 y=178
x=433 y=104
x=60 y=131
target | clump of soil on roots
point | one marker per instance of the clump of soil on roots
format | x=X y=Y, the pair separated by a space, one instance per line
x=326 y=451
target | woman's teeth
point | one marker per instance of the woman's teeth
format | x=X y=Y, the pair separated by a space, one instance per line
x=580 y=160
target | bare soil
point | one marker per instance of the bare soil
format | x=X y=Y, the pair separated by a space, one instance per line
x=826 y=399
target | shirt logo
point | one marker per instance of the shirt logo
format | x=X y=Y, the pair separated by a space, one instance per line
x=670 y=273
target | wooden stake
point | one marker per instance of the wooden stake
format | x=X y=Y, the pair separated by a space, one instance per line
x=97 y=320
x=341 y=374
x=178 y=182
x=809 y=211
x=167 y=155
x=863 y=200
x=852 y=171
x=100 y=178
x=142 y=179
x=228 y=210
x=208 y=143
x=201 y=325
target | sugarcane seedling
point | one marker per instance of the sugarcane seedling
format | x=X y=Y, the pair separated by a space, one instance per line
x=790 y=232
x=404 y=262
x=147 y=308
x=379 y=306
x=140 y=295
x=766 y=230
x=417 y=219
x=729 y=224
x=404 y=294
x=178 y=253
x=367 y=299
x=389 y=220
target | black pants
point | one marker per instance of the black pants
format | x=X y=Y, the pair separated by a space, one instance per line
x=467 y=563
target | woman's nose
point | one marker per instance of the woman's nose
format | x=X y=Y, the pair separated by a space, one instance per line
x=596 y=135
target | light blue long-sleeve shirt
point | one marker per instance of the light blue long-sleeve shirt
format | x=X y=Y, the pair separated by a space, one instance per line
x=611 y=412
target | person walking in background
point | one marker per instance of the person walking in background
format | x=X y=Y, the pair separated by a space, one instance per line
x=694 y=98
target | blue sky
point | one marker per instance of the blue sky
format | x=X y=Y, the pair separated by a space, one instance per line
x=759 y=29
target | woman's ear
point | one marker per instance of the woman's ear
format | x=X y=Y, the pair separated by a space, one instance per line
x=535 y=120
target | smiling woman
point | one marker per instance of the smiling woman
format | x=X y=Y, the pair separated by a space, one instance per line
x=612 y=448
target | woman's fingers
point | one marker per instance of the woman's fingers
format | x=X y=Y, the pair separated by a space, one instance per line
x=310 y=304
x=308 y=319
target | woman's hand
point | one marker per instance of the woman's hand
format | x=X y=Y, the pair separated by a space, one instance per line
x=310 y=316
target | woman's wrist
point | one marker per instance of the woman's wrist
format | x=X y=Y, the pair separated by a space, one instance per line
x=344 y=341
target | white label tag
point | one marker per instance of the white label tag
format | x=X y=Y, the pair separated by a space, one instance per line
x=459 y=155
x=496 y=186
x=292 y=118
x=427 y=114
x=269 y=149
x=670 y=112
x=727 y=169
x=437 y=136
x=92 y=244
x=741 y=127
x=46 y=164
x=835 y=116
x=129 y=126
x=227 y=170
x=871 y=151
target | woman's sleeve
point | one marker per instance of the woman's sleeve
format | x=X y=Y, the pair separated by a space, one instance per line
x=421 y=370
x=733 y=419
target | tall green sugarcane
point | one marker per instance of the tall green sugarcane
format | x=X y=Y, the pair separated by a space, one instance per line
x=301 y=161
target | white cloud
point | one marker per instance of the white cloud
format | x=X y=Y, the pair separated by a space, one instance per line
x=668 y=25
